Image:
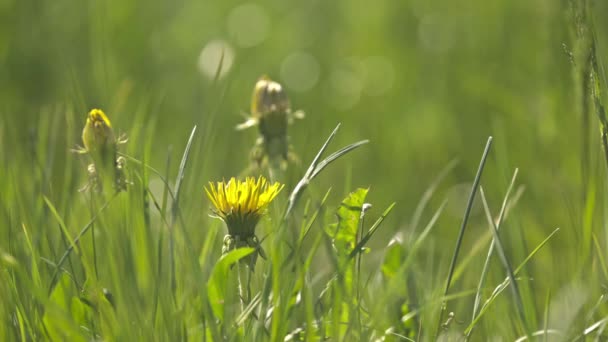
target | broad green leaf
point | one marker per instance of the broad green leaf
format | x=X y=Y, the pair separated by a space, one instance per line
x=216 y=286
x=58 y=319
x=392 y=260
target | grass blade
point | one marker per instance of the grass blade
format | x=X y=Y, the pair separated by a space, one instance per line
x=498 y=290
x=316 y=167
x=486 y=265
x=505 y=261
x=332 y=157
x=75 y=241
x=175 y=207
x=465 y=219
x=370 y=232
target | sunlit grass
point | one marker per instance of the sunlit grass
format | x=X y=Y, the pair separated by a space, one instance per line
x=340 y=258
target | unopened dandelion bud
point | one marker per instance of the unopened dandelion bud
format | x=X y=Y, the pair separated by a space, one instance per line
x=100 y=144
x=270 y=105
x=97 y=135
x=107 y=170
x=271 y=112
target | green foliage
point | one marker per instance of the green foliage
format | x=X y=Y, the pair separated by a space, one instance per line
x=217 y=284
x=344 y=232
x=425 y=82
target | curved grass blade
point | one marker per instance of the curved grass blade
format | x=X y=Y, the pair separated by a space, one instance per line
x=332 y=157
x=498 y=290
x=486 y=265
x=505 y=261
x=316 y=167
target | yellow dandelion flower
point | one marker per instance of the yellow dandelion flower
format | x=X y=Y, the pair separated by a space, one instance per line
x=241 y=204
x=97 y=133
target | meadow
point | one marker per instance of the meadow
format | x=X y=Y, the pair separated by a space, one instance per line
x=419 y=170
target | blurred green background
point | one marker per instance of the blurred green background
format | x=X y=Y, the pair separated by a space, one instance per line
x=426 y=81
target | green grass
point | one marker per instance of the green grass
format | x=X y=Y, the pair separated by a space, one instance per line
x=517 y=252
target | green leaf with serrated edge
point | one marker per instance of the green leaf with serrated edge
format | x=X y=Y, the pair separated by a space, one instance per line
x=344 y=239
x=344 y=232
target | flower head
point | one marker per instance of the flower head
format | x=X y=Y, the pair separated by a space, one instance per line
x=101 y=145
x=241 y=204
x=97 y=133
x=270 y=109
x=268 y=96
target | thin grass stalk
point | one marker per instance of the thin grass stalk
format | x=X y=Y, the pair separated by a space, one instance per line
x=463 y=226
x=92 y=207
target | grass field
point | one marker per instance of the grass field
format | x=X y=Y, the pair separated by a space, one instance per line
x=446 y=181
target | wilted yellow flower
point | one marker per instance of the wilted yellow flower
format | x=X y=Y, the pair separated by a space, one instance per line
x=270 y=108
x=97 y=133
x=241 y=204
x=268 y=96
x=271 y=112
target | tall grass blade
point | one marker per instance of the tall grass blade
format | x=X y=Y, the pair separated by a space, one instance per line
x=175 y=207
x=465 y=220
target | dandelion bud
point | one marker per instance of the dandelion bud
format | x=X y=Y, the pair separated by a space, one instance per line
x=270 y=105
x=97 y=134
x=268 y=96
x=100 y=144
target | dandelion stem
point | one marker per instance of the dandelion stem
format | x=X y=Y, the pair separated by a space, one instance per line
x=241 y=290
x=93 y=238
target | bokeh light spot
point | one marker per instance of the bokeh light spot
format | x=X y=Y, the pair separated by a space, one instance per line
x=211 y=57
